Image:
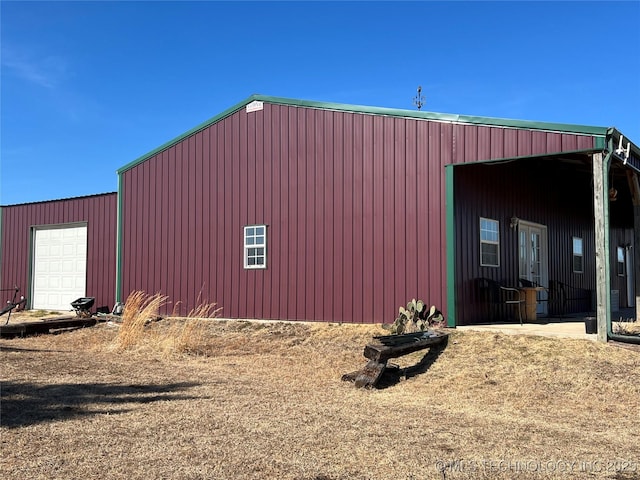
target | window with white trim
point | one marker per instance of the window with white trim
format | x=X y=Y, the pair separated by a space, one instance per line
x=621 y=261
x=578 y=255
x=489 y=242
x=255 y=246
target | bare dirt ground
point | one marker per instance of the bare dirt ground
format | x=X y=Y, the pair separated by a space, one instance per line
x=256 y=401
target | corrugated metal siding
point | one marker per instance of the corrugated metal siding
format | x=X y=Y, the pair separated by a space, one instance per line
x=534 y=191
x=354 y=205
x=99 y=212
x=478 y=143
x=620 y=237
x=350 y=201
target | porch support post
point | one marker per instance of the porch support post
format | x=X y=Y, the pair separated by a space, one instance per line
x=634 y=188
x=601 y=228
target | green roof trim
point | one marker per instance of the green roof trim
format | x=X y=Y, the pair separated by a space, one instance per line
x=439 y=117
x=178 y=139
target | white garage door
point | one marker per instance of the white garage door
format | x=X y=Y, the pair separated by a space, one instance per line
x=59 y=267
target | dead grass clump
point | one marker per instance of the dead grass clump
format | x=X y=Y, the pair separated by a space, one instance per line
x=190 y=334
x=184 y=335
x=139 y=309
x=627 y=328
x=176 y=335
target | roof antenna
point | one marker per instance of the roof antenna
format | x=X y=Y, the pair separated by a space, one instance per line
x=418 y=100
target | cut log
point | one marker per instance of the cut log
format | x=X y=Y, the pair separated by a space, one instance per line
x=370 y=374
x=391 y=346
x=45 y=326
x=381 y=352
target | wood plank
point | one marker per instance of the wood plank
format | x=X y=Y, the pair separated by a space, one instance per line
x=391 y=346
x=370 y=374
x=44 y=326
x=601 y=227
x=380 y=352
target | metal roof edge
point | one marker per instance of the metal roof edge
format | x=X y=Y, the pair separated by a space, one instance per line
x=613 y=132
x=59 y=199
x=594 y=149
x=393 y=112
x=631 y=160
x=442 y=117
x=196 y=129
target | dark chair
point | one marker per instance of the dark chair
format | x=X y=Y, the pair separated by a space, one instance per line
x=494 y=294
x=568 y=299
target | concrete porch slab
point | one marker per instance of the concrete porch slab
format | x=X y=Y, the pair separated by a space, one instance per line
x=563 y=329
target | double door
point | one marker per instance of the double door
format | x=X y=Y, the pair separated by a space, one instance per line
x=533 y=259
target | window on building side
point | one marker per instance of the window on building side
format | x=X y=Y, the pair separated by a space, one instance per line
x=489 y=243
x=255 y=246
x=621 y=261
x=578 y=255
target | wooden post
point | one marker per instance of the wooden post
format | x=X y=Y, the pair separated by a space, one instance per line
x=601 y=228
x=634 y=187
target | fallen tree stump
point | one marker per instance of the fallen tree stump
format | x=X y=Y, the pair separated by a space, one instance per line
x=383 y=348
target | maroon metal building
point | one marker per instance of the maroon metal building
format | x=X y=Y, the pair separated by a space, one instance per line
x=289 y=209
x=60 y=250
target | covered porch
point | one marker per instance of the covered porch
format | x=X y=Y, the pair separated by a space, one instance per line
x=568 y=219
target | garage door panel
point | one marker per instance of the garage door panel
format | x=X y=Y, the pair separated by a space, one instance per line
x=59 y=268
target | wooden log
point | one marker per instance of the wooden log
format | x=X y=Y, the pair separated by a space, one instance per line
x=45 y=326
x=370 y=374
x=379 y=352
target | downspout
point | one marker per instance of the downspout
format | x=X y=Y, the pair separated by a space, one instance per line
x=119 y=223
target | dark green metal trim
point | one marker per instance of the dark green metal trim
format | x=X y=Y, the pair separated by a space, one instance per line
x=119 y=241
x=439 y=117
x=442 y=117
x=542 y=155
x=450 y=245
x=613 y=135
x=193 y=131
x=599 y=143
x=29 y=294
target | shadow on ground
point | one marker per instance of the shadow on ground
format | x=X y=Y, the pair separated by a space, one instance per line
x=23 y=404
x=393 y=376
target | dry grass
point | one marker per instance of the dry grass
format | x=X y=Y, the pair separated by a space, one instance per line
x=627 y=328
x=264 y=400
x=182 y=335
x=139 y=310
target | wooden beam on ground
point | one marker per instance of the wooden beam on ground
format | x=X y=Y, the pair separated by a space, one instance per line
x=45 y=326
x=381 y=352
x=386 y=347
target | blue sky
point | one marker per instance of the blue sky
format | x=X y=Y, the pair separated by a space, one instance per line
x=87 y=87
